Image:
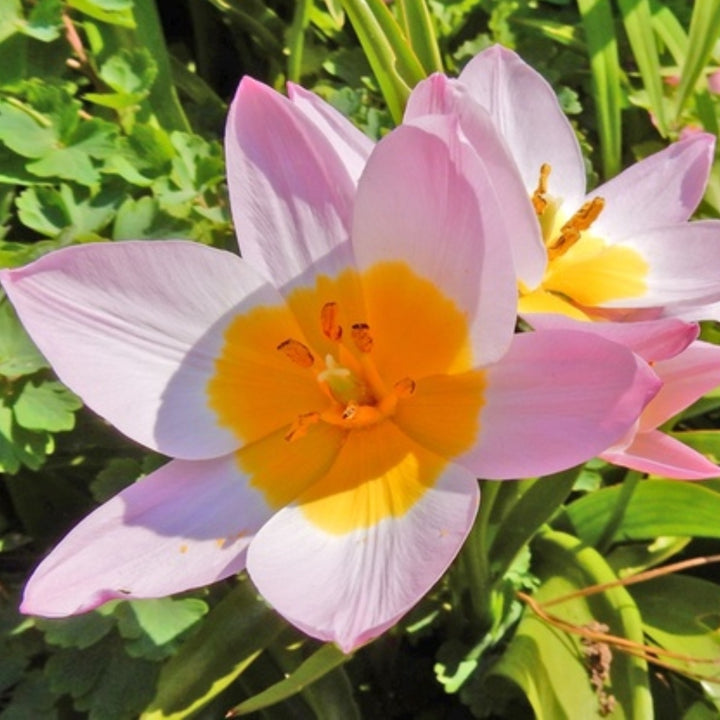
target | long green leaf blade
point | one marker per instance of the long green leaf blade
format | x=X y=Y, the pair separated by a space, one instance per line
x=391 y=58
x=638 y=26
x=599 y=30
x=704 y=31
x=321 y=662
x=232 y=636
x=420 y=31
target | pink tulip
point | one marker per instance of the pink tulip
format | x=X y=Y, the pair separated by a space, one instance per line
x=623 y=248
x=329 y=399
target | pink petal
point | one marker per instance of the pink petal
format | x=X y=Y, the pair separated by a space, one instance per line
x=353 y=146
x=525 y=110
x=557 y=399
x=348 y=587
x=438 y=95
x=662 y=189
x=686 y=378
x=290 y=188
x=683 y=265
x=185 y=525
x=426 y=201
x=650 y=339
x=134 y=328
x=659 y=454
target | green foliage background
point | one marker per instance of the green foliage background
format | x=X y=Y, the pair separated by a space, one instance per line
x=111 y=119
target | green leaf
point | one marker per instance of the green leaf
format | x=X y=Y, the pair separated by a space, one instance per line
x=25 y=131
x=321 y=662
x=393 y=61
x=130 y=71
x=114 y=12
x=703 y=35
x=421 y=33
x=18 y=354
x=78 y=632
x=46 y=405
x=233 y=634
x=150 y=626
x=682 y=614
x=599 y=27
x=638 y=26
x=549 y=664
x=45 y=21
x=50 y=211
x=656 y=508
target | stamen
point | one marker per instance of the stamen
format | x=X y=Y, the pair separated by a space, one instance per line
x=404 y=388
x=350 y=411
x=539 y=200
x=300 y=427
x=297 y=352
x=570 y=231
x=329 y=321
x=361 y=337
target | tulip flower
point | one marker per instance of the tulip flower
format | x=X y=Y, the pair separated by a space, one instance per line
x=688 y=368
x=623 y=250
x=329 y=399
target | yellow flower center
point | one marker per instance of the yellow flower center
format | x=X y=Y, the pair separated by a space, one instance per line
x=351 y=399
x=583 y=271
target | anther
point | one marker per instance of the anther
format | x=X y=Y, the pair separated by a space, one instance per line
x=539 y=200
x=297 y=352
x=350 y=411
x=570 y=231
x=300 y=427
x=332 y=330
x=361 y=337
x=404 y=388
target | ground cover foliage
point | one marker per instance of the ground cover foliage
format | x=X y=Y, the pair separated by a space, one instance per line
x=111 y=115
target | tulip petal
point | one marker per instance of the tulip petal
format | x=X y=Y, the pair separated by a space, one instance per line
x=662 y=189
x=135 y=328
x=353 y=146
x=683 y=265
x=347 y=576
x=290 y=188
x=557 y=398
x=652 y=340
x=425 y=200
x=686 y=378
x=657 y=453
x=185 y=525
x=525 y=109
x=439 y=95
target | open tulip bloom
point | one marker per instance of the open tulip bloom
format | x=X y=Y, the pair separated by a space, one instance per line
x=330 y=399
x=623 y=250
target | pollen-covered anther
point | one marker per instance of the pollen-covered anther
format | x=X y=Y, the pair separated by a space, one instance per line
x=331 y=328
x=300 y=427
x=570 y=231
x=361 y=337
x=297 y=352
x=539 y=200
x=404 y=388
